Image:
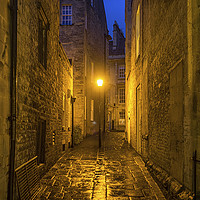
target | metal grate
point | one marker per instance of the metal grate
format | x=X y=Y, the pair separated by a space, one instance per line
x=28 y=180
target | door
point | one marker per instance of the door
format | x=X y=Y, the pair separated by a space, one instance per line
x=41 y=136
x=109 y=117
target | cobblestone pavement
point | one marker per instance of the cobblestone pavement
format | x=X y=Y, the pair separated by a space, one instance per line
x=115 y=171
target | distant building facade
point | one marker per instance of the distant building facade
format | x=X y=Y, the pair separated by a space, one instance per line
x=162 y=90
x=115 y=91
x=83 y=33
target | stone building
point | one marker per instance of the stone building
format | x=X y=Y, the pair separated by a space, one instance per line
x=44 y=86
x=5 y=69
x=162 y=89
x=83 y=33
x=35 y=68
x=115 y=73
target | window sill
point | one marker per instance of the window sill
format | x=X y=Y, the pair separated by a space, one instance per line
x=121 y=78
x=66 y=25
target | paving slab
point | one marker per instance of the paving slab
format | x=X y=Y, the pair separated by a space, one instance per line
x=114 y=171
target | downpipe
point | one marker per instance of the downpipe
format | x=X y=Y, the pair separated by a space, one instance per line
x=195 y=162
x=13 y=88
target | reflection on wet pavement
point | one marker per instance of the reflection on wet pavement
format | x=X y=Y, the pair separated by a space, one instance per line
x=113 y=172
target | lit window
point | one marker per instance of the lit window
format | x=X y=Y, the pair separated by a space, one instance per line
x=121 y=72
x=121 y=95
x=66 y=17
x=122 y=114
x=138 y=32
x=92 y=110
x=122 y=117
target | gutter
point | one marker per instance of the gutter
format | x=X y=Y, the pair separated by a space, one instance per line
x=13 y=88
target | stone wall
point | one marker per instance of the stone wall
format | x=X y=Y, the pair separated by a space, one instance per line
x=40 y=89
x=160 y=129
x=4 y=96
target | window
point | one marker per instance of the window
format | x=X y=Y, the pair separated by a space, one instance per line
x=92 y=72
x=121 y=95
x=92 y=110
x=115 y=39
x=138 y=32
x=122 y=117
x=66 y=17
x=41 y=136
x=121 y=72
x=122 y=114
x=42 y=38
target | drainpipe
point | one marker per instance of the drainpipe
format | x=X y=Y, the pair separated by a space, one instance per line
x=12 y=118
x=73 y=99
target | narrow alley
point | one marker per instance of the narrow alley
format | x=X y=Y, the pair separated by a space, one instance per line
x=73 y=71
x=115 y=171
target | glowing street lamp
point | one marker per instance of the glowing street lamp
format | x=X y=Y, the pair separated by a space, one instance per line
x=99 y=83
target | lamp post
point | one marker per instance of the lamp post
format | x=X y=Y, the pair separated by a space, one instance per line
x=100 y=84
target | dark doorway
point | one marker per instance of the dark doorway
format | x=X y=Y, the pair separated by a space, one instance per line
x=41 y=135
x=113 y=124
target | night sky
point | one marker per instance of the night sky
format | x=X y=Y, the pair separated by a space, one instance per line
x=115 y=10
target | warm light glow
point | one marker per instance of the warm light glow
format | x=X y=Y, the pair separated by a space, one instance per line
x=100 y=82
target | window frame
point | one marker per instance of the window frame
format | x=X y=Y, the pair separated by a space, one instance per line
x=122 y=117
x=67 y=15
x=121 y=96
x=120 y=68
x=122 y=112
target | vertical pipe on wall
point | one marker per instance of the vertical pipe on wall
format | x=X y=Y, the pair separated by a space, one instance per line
x=13 y=6
x=73 y=99
x=194 y=173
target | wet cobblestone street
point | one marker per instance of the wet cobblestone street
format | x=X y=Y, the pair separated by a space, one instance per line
x=115 y=171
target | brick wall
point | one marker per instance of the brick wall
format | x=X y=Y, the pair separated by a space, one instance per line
x=4 y=96
x=163 y=74
x=40 y=90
